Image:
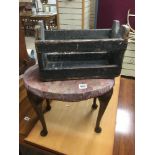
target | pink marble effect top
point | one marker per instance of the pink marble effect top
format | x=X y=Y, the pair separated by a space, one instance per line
x=65 y=90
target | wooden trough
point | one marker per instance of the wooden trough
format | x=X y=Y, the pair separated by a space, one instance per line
x=81 y=54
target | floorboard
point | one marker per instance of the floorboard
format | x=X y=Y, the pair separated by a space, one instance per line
x=124 y=143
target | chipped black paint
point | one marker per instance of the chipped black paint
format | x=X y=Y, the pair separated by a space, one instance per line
x=79 y=54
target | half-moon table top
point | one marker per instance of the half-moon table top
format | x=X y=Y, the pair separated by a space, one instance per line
x=69 y=90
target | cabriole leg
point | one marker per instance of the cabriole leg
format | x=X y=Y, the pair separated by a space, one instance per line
x=104 y=100
x=94 y=105
x=48 y=106
x=37 y=106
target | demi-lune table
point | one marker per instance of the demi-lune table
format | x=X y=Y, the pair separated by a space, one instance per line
x=69 y=90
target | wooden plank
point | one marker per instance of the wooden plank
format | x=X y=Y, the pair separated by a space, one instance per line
x=22 y=95
x=51 y=46
x=87 y=4
x=70 y=10
x=92 y=13
x=91 y=23
x=67 y=1
x=87 y=23
x=129 y=53
x=128 y=72
x=71 y=127
x=21 y=82
x=124 y=143
x=70 y=16
x=70 y=22
x=22 y=91
x=78 y=34
x=70 y=4
x=92 y=7
x=131 y=46
x=83 y=13
x=129 y=60
x=128 y=66
x=87 y=16
x=87 y=12
x=58 y=18
x=96 y=12
x=70 y=27
x=91 y=20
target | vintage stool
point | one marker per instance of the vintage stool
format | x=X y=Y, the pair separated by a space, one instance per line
x=70 y=91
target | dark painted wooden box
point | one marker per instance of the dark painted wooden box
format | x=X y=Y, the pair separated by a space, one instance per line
x=78 y=54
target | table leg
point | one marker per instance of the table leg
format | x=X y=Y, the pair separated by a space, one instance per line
x=94 y=105
x=48 y=107
x=104 y=100
x=37 y=106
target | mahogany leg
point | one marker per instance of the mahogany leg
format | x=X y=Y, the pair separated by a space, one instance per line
x=37 y=106
x=48 y=107
x=94 y=105
x=104 y=100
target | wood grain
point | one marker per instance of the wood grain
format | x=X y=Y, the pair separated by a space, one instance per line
x=58 y=17
x=70 y=4
x=92 y=13
x=83 y=10
x=128 y=67
x=69 y=11
x=74 y=22
x=124 y=143
x=71 y=128
x=70 y=16
x=128 y=72
x=68 y=27
x=26 y=111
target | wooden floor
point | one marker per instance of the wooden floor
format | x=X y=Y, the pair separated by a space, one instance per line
x=125 y=128
x=124 y=133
